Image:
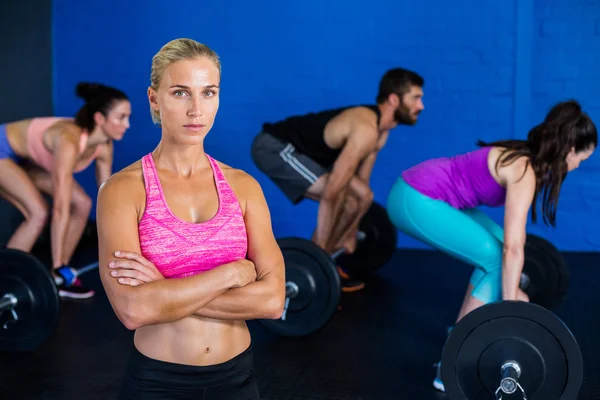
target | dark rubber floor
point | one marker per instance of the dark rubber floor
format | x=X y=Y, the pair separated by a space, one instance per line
x=381 y=345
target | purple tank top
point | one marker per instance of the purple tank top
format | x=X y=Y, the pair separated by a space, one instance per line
x=463 y=181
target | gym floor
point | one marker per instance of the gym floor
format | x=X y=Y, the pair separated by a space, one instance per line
x=381 y=345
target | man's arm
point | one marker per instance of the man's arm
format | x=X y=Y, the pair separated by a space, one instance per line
x=264 y=298
x=366 y=168
x=359 y=145
x=104 y=163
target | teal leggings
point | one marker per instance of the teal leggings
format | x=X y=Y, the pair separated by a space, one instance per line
x=468 y=235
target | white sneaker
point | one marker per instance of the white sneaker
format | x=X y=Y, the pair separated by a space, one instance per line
x=437 y=382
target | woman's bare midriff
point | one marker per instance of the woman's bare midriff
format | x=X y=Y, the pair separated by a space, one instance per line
x=193 y=341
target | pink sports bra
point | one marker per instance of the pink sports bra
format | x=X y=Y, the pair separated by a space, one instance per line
x=179 y=248
x=38 y=151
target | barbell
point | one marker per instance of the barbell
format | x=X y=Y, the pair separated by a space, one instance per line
x=313 y=286
x=513 y=350
x=29 y=300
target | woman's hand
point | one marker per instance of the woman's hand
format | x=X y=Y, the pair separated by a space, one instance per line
x=522 y=296
x=133 y=269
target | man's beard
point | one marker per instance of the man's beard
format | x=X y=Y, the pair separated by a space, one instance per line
x=402 y=116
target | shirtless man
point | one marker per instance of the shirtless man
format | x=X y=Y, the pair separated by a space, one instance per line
x=328 y=157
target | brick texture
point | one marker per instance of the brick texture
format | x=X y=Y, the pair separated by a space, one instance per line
x=566 y=59
x=282 y=58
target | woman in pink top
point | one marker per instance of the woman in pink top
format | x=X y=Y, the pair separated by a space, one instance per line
x=40 y=155
x=186 y=249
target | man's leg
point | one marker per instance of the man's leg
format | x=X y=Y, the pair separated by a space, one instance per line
x=340 y=234
x=292 y=172
x=349 y=211
x=296 y=175
x=358 y=200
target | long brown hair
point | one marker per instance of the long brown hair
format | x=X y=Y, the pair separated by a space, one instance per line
x=565 y=127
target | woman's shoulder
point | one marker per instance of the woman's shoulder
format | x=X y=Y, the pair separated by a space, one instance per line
x=513 y=167
x=243 y=184
x=125 y=183
x=236 y=176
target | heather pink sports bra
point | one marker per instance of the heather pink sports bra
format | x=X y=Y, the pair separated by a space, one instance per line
x=179 y=248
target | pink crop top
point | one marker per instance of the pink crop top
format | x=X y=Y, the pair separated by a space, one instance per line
x=38 y=151
x=179 y=248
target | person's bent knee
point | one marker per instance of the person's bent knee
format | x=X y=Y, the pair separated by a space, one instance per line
x=82 y=206
x=362 y=192
x=351 y=205
x=315 y=190
x=366 y=201
x=489 y=288
x=476 y=277
x=489 y=255
x=39 y=215
x=331 y=195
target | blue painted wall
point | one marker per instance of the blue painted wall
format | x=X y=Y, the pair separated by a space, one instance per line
x=492 y=70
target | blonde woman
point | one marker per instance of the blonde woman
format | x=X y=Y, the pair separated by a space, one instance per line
x=187 y=253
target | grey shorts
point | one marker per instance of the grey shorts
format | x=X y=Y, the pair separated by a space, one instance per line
x=291 y=171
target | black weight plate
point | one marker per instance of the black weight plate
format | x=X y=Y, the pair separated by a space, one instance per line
x=549 y=356
x=543 y=277
x=377 y=248
x=38 y=303
x=554 y=270
x=314 y=272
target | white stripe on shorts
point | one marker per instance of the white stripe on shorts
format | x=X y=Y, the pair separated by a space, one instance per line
x=297 y=165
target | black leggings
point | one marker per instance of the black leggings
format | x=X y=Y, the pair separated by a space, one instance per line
x=147 y=378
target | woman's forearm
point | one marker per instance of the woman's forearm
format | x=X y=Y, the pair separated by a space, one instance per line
x=512 y=267
x=257 y=300
x=58 y=232
x=168 y=300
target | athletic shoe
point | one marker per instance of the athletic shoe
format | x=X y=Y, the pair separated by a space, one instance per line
x=349 y=284
x=75 y=291
x=437 y=382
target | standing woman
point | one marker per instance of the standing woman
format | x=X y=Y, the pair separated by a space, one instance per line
x=186 y=249
x=42 y=155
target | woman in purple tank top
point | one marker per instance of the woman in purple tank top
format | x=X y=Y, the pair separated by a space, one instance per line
x=186 y=249
x=436 y=201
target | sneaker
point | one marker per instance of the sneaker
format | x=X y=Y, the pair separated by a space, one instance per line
x=75 y=290
x=437 y=382
x=349 y=284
